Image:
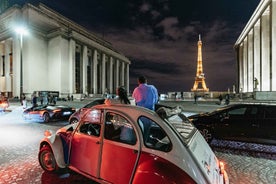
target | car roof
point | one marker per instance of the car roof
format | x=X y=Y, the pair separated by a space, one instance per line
x=127 y=109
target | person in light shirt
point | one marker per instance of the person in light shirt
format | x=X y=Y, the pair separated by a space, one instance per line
x=145 y=95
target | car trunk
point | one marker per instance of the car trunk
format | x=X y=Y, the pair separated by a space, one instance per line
x=201 y=152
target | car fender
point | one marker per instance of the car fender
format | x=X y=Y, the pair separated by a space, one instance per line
x=153 y=169
x=55 y=142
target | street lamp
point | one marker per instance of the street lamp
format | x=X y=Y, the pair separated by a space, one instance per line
x=21 y=31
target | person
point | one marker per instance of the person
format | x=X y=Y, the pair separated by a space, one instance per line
x=24 y=101
x=195 y=98
x=227 y=99
x=120 y=98
x=34 y=100
x=145 y=95
x=220 y=99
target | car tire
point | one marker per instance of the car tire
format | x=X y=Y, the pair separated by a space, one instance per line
x=207 y=134
x=47 y=159
x=73 y=121
x=46 y=117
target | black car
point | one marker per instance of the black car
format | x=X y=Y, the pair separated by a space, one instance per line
x=45 y=113
x=241 y=122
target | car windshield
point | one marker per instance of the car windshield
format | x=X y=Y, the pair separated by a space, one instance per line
x=51 y=107
x=93 y=103
x=218 y=110
x=182 y=125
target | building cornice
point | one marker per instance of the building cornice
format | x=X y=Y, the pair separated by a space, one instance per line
x=261 y=8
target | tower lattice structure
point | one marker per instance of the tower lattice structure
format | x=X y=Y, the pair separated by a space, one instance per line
x=199 y=84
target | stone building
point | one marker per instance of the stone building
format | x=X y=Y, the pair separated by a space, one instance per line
x=57 y=54
x=256 y=53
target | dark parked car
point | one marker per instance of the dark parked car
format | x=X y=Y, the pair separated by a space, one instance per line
x=74 y=118
x=45 y=113
x=242 y=122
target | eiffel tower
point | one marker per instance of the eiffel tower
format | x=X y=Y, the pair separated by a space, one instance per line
x=199 y=84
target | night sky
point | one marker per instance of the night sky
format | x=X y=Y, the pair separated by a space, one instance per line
x=160 y=36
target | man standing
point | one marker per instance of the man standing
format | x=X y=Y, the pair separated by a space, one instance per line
x=145 y=95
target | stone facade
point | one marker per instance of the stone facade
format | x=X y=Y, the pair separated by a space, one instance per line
x=57 y=55
x=256 y=51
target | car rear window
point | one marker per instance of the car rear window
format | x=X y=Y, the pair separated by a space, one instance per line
x=183 y=125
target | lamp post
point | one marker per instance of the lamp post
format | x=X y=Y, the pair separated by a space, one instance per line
x=21 y=31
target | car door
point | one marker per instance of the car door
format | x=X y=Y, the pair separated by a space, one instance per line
x=255 y=117
x=86 y=144
x=120 y=149
x=232 y=123
x=268 y=124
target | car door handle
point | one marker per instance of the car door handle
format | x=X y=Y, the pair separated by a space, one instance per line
x=135 y=151
x=98 y=142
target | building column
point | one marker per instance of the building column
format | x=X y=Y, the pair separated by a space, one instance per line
x=117 y=72
x=250 y=62
x=112 y=90
x=127 y=77
x=95 y=71
x=265 y=50
x=6 y=58
x=71 y=62
x=122 y=73
x=245 y=65
x=16 y=65
x=84 y=69
x=241 y=78
x=103 y=73
x=257 y=54
x=273 y=45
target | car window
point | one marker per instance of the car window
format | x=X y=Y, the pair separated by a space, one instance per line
x=118 y=129
x=154 y=136
x=91 y=123
x=90 y=128
x=238 y=111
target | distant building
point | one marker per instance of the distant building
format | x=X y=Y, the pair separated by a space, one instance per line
x=256 y=52
x=57 y=55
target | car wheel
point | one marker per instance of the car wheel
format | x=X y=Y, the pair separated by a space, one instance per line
x=207 y=134
x=47 y=159
x=73 y=120
x=46 y=117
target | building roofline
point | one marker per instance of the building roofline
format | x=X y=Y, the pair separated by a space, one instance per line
x=253 y=20
x=69 y=24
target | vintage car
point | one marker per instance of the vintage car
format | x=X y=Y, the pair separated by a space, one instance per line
x=46 y=113
x=130 y=144
x=251 y=122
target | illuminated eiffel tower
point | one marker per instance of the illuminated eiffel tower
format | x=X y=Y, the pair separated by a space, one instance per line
x=199 y=84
